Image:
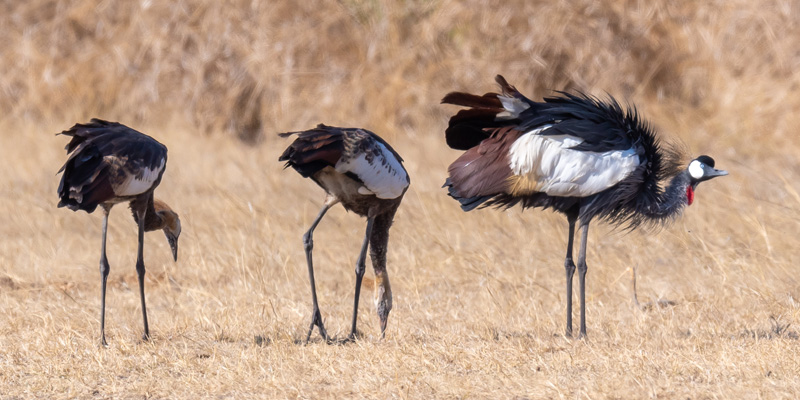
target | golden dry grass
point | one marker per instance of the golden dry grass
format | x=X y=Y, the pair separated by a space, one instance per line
x=479 y=297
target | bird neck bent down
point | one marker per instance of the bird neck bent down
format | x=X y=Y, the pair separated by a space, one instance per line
x=378 y=242
x=676 y=196
x=168 y=221
x=160 y=216
x=379 y=239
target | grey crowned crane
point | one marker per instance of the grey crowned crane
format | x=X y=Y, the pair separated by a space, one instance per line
x=357 y=168
x=110 y=163
x=574 y=153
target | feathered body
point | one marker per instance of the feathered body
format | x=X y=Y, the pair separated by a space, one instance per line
x=362 y=171
x=110 y=163
x=357 y=166
x=571 y=151
x=574 y=153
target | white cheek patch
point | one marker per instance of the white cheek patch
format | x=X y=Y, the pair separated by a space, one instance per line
x=696 y=169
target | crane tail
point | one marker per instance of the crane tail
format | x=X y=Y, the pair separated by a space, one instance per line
x=468 y=127
x=482 y=172
x=85 y=182
x=87 y=197
x=313 y=149
x=486 y=129
x=467 y=203
x=83 y=132
x=483 y=115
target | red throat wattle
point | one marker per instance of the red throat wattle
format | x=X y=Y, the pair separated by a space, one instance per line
x=689 y=194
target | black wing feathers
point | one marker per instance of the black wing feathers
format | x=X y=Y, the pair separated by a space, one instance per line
x=472 y=125
x=603 y=125
x=319 y=147
x=115 y=139
x=100 y=154
x=313 y=149
x=85 y=182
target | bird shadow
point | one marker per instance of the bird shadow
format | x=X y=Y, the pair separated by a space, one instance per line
x=330 y=340
x=777 y=330
x=262 y=341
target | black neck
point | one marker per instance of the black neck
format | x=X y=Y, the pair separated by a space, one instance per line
x=673 y=200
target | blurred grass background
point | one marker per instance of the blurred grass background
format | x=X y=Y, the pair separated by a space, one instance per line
x=249 y=68
x=478 y=297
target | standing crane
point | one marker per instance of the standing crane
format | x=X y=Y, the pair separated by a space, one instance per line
x=110 y=163
x=357 y=168
x=574 y=153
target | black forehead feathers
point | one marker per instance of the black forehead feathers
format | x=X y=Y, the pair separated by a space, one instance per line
x=706 y=160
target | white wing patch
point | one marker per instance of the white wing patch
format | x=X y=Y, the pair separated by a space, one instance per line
x=548 y=163
x=382 y=174
x=133 y=185
x=514 y=107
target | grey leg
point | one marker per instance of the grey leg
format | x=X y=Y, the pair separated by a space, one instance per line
x=582 y=267
x=360 y=268
x=140 y=271
x=569 y=266
x=104 y=270
x=308 y=244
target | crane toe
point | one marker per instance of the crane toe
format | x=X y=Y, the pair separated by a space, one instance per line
x=316 y=320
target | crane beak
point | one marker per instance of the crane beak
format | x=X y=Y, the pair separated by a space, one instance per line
x=384 y=320
x=713 y=173
x=173 y=244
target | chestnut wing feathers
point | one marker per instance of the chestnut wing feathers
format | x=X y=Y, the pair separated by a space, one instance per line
x=484 y=169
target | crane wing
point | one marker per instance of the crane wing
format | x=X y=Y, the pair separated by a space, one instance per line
x=133 y=179
x=108 y=160
x=552 y=164
x=357 y=153
x=374 y=165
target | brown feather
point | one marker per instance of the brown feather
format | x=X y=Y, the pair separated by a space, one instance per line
x=314 y=145
x=469 y=127
x=488 y=100
x=507 y=89
x=470 y=114
x=484 y=170
x=329 y=154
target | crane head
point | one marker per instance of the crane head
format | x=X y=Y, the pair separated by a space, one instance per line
x=172 y=233
x=383 y=299
x=172 y=225
x=702 y=169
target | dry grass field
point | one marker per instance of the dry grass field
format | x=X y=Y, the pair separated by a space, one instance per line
x=478 y=297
